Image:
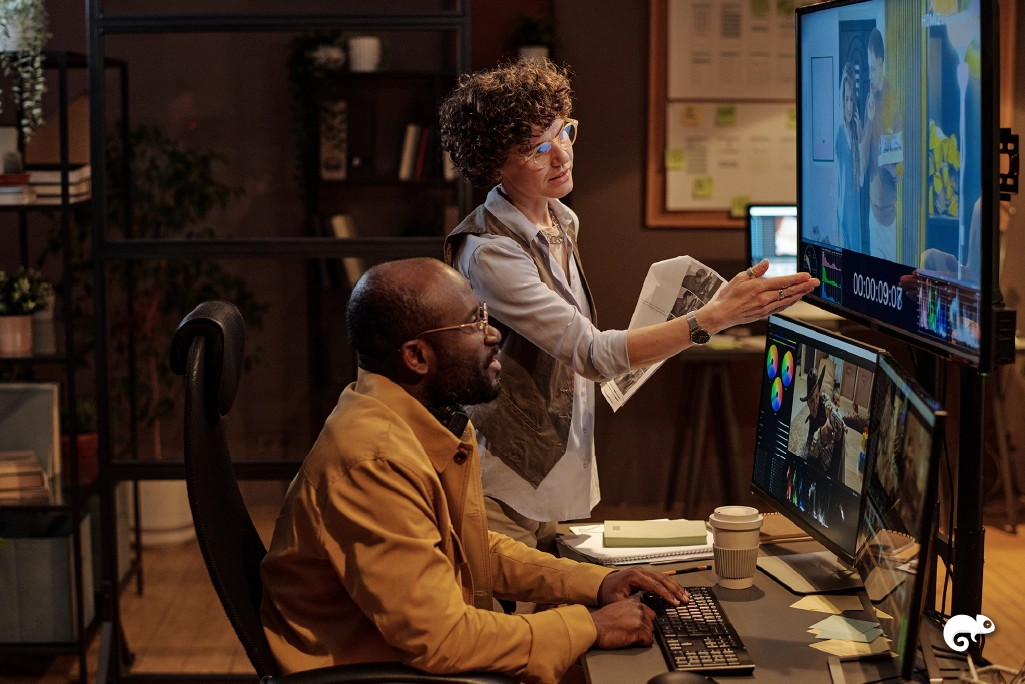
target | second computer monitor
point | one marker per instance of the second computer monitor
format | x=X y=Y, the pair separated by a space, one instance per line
x=813 y=429
x=772 y=235
x=900 y=494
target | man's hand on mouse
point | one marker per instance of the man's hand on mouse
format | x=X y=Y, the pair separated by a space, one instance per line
x=618 y=586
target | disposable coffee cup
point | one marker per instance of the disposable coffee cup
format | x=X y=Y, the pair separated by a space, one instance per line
x=735 y=545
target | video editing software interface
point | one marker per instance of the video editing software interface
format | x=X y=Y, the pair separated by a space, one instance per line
x=890 y=185
x=813 y=428
x=899 y=497
x=774 y=237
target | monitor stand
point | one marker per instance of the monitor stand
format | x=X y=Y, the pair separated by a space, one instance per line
x=810 y=573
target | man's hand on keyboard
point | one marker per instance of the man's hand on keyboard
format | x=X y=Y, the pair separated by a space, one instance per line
x=621 y=584
x=624 y=623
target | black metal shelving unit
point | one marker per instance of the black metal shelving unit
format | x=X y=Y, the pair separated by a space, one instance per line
x=76 y=495
x=454 y=21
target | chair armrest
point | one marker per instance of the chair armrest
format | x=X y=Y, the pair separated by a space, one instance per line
x=383 y=673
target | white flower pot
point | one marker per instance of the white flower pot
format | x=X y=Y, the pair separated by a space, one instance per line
x=164 y=512
x=364 y=53
x=533 y=52
x=15 y=336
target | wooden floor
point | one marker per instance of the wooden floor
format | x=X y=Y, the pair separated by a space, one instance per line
x=178 y=626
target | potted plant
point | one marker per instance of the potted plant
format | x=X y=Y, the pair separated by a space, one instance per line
x=21 y=293
x=533 y=36
x=23 y=33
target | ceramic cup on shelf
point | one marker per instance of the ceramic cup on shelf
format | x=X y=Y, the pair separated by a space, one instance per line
x=364 y=53
x=735 y=545
x=44 y=337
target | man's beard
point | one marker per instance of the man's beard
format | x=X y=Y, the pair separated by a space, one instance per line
x=459 y=382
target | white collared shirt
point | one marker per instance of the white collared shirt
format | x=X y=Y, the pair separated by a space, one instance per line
x=558 y=322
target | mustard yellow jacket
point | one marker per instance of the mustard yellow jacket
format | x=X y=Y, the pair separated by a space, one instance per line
x=382 y=553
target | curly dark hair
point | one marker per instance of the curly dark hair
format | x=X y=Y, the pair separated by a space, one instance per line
x=492 y=111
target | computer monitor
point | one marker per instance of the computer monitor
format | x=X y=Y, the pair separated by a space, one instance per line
x=813 y=430
x=772 y=235
x=897 y=167
x=900 y=496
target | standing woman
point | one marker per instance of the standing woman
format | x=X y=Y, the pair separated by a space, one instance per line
x=510 y=127
x=849 y=171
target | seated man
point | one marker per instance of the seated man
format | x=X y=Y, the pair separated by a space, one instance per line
x=382 y=552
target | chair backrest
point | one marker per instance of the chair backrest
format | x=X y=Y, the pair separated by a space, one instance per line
x=208 y=349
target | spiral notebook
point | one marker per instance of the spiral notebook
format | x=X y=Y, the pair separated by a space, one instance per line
x=586 y=541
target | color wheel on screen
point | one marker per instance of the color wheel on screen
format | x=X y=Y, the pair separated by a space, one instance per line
x=777 y=394
x=772 y=362
x=787 y=373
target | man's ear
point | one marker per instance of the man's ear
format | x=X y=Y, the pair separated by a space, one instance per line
x=416 y=356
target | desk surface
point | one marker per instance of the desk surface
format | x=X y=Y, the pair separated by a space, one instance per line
x=774 y=634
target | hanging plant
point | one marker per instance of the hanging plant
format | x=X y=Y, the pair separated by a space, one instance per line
x=23 y=33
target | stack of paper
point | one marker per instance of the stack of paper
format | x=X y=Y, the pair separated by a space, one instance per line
x=834 y=605
x=847 y=629
x=586 y=540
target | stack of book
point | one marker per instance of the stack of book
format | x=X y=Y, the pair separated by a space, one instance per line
x=14 y=188
x=413 y=161
x=45 y=182
x=22 y=481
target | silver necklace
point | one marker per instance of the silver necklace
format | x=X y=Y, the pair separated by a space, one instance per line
x=555 y=237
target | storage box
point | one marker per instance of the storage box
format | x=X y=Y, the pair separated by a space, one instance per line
x=37 y=577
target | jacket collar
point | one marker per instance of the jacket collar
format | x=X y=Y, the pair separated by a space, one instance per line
x=437 y=441
x=506 y=212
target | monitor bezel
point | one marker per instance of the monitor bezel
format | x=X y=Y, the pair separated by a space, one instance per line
x=748 y=240
x=928 y=523
x=989 y=279
x=841 y=553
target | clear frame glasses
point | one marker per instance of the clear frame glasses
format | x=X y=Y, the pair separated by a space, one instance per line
x=543 y=152
x=479 y=325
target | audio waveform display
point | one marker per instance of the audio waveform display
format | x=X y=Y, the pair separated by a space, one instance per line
x=831 y=276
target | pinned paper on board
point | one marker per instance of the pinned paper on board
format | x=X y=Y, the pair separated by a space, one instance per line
x=691 y=116
x=725 y=115
x=675 y=160
x=703 y=187
x=738 y=206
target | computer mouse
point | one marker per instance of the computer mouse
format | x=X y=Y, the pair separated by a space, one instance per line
x=681 y=677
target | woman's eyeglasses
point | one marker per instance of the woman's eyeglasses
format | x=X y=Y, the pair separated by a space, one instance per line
x=478 y=325
x=543 y=152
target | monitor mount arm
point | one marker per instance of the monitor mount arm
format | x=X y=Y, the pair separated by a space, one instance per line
x=1009 y=149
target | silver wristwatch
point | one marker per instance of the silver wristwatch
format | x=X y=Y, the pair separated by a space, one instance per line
x=698 y=335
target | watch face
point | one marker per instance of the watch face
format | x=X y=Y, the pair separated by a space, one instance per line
x=699 y=336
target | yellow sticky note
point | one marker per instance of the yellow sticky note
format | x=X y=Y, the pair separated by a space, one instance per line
x=692 y=116
x=675 y=160
x=759 y=7
x=784 y=7
x=738 y=206
x=792 y=118
x=703 y=187
x=726 y=115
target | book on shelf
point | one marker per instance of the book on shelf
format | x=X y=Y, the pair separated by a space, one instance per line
x=22 y=480
x=41 y=174
x=26 y=195
x=421 y=153
x=334 y=141
x=55 y=199
x=82 y=187
x=25 y=497
x=13 y=180
x=409 y=149
x=586 y=543
x=344 y=227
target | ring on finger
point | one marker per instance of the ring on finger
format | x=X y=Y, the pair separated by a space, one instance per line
x=782 y=295
x=750 y=273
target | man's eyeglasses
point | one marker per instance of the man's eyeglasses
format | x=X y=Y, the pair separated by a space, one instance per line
x=543 y=152
x=478 y=325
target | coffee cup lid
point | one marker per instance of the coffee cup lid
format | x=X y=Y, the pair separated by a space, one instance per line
x=736 y=518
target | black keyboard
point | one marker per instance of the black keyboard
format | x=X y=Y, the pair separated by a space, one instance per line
x=698 y=636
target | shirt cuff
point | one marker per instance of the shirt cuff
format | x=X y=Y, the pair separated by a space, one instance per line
x=558 y=638
x=584 y=582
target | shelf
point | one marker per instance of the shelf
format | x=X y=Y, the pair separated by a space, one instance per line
x=389 y=183
x=41 y=205
x=272 y=248
x=55 y=359
x=55 y=648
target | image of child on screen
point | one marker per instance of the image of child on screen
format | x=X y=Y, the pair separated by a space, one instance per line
x=882 y=152
x=849 y=171
x=826 y=424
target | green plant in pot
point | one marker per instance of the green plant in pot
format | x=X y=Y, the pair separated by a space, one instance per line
x=23 y=34
x=21 y=293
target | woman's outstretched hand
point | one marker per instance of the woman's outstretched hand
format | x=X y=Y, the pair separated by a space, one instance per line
x=750 y=297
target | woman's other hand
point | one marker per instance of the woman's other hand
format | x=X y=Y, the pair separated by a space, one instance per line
x=750 y=297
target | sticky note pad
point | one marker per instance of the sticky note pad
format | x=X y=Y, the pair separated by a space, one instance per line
x=703 y=187
x=738 y=205
x=692 y=116
x=726 y=115
x=675 y=160
x=791 y=118
x=759 y=7
x=852 y=648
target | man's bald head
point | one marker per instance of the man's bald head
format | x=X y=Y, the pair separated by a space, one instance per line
x=394 y=302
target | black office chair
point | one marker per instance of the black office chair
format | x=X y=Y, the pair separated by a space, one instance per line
x=208 y=349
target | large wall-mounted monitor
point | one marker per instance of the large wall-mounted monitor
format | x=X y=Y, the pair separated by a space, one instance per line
x=900 y=495
x=813 y=430
x=897 y=167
